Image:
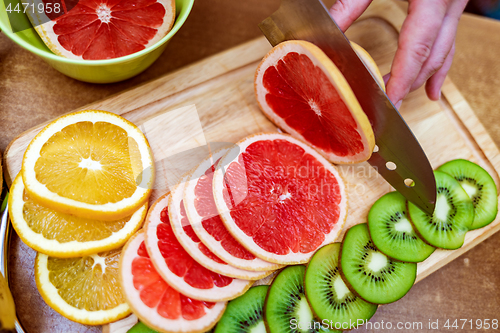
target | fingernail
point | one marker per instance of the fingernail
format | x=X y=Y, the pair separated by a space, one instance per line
x=398 y=104
x=386 y=78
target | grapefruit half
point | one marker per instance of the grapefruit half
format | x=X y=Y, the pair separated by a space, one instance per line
x=186 y=236
x=105 y=29
x=300 y=89
x=154 y=301
x=279 y=198
x=177 y=266
x=207 y=224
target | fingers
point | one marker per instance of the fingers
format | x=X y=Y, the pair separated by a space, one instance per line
x=442 y=45
x=345 y=12
x=434 y=84
x=417 y=37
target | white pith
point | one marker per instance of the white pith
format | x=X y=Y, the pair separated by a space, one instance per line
x=150 y=316
x=104 y=13
x=260 y=266
x=51 y=294
x=67 y=249
x=98 y=260
x=271 y=60
x=248 y=242
x=33 y=153
x=88 y=163
x=234 y=289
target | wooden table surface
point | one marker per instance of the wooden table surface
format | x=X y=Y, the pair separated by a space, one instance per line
x=32 y=92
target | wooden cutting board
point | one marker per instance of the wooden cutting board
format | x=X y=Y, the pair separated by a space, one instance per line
x=212 y=103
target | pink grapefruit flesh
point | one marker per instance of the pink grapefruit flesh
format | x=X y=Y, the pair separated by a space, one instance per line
x=202 y=212
x=302 y=91
x=177 y=266
x=154 y=301
x=190 y=241
x=280 y=198
x=106 y=29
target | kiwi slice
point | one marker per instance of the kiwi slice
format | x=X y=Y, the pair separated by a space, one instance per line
x=391 y=230
x=245 y=313
x=286 y=309
x=452 y=217
x=480 y=187
x=328 y=295
x=371 y=274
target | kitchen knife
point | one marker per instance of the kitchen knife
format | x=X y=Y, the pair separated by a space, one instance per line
x=309 y=20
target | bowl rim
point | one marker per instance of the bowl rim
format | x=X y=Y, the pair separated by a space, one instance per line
x=179 y=22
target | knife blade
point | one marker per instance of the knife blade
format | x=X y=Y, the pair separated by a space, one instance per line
x=309 y=20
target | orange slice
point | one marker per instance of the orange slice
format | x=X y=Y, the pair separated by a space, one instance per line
x=92 y=164
x=84 y=289
x=64 y=235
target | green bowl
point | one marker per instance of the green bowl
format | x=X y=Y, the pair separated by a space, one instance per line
x=94 y=71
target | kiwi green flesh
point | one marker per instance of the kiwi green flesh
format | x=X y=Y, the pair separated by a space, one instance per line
x=391 y=230
x=480 y=187
x=452 y=217
x=245 y=313
x=371 y=274
x=286 y=309
x=328 y=295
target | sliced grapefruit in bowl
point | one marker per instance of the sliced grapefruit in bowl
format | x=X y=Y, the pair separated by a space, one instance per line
x=300 y=89
x=105 y=29
x=279 y=198
x=177 y=266
x=186 y=236
x=207 y=224
x=154 y=301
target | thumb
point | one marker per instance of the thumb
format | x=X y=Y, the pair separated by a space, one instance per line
x=345 y=12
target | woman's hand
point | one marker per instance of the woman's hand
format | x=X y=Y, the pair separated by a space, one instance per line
x=425 y=47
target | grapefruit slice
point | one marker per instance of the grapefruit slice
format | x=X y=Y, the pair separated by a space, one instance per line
x=177 y=266
x=207 y=224
x=279 y=198
x=186 y=236
x=154 y=301
x=300 y=89
x=105 y=29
